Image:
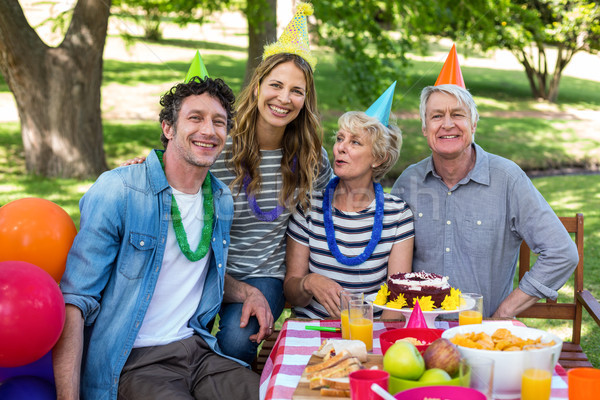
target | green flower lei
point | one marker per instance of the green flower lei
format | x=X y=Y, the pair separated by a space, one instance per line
x=209 y=211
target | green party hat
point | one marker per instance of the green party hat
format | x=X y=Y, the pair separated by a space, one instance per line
x=196 y=69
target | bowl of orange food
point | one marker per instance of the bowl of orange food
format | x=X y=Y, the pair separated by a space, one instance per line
x=507 y=345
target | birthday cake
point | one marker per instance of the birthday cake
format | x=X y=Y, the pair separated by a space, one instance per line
x=414 y=285
x=430 y=290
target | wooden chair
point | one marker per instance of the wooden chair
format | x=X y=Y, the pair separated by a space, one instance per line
x=572 y=355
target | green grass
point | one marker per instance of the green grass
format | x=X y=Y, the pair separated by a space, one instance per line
x=534 y=143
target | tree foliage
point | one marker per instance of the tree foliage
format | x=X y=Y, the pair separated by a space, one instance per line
x=370 y=39
x=151 y=13
x=542 y=34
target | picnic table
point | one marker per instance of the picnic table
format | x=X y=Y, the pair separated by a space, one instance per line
x=295 y=345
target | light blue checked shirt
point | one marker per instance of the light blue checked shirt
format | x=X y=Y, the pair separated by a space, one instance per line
x=472 y=232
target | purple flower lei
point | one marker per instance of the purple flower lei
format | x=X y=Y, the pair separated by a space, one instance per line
x=268 y=216
x=330 y=230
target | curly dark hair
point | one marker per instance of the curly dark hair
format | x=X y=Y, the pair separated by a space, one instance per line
x=172 y=100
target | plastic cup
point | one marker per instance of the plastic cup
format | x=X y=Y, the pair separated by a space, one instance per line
x=536 y=379
x=482 y=375
x=584 y=383
x=345 y=297
x=473 y=313
x=361 y=322
x=361 y=381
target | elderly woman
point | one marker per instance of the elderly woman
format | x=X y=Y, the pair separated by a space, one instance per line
x=354 y=236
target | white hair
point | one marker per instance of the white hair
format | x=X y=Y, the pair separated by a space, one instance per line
x=462 y=95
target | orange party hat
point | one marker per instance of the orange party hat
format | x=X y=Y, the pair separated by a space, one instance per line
x=416 y=319
x=450 y=73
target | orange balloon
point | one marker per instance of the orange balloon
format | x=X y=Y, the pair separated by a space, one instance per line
x=36 y=231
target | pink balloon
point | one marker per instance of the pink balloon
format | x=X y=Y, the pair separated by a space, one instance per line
x=32 y=313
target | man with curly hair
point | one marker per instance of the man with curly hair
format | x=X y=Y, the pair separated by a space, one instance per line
x=145 y=276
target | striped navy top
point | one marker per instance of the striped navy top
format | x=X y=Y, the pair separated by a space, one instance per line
x=352 y=233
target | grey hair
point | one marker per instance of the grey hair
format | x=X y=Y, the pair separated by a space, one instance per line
x=462 y=95
x=385 y=140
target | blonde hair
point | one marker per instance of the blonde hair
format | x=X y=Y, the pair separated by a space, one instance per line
x=302 y=139
x=386 y=141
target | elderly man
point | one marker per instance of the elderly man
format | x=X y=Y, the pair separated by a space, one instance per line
x=472 y=209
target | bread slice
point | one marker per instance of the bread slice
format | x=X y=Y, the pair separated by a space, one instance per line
x=327 y=363
x=329 y=392
x=316 y=380
x=342 y=383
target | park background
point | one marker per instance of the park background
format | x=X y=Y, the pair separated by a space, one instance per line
x=557 y=143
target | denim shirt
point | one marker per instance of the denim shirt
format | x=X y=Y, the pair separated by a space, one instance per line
x=115 y=260
x=472 y=232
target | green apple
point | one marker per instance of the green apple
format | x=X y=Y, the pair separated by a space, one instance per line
x=404 y=361
x=434 y=375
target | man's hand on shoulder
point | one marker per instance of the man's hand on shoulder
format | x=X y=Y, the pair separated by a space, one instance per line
x=136 y=160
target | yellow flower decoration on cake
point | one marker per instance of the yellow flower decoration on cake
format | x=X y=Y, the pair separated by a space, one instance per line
x=425 y=303
x=400 y=302
x=451 y=302
x=382 y=295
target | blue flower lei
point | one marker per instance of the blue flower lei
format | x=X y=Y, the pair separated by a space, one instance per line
x=268 y=216
x=330 y=230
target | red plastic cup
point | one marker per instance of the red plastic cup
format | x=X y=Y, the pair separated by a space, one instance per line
x=584 y=383
x=361 y=381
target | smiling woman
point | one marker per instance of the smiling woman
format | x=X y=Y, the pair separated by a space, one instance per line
x=272 y=161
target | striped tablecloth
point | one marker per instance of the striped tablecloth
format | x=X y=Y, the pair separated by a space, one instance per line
x=296 y=344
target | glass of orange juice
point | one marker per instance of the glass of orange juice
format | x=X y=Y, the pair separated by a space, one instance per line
x=536 y=379
x=361 y=322
x=471 y=309
x=346 y=296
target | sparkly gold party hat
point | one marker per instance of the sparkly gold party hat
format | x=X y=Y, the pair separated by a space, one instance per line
x=294 y=38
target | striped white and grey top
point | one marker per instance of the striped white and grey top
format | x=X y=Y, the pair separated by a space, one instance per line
x=257 y=248
x=352 y=233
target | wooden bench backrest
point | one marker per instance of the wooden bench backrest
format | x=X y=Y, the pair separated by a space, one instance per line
x=551 y=309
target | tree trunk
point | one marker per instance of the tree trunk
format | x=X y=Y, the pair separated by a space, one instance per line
x=563 y=57
x=57 y=90
x=530 y=71
x=262 y=29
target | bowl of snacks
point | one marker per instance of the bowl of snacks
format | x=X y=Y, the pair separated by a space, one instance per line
x=420 y=337
x=507 y=345
x=441 y=392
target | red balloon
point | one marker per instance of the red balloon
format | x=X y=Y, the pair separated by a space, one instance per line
x=37 y=231
x=32 y=313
